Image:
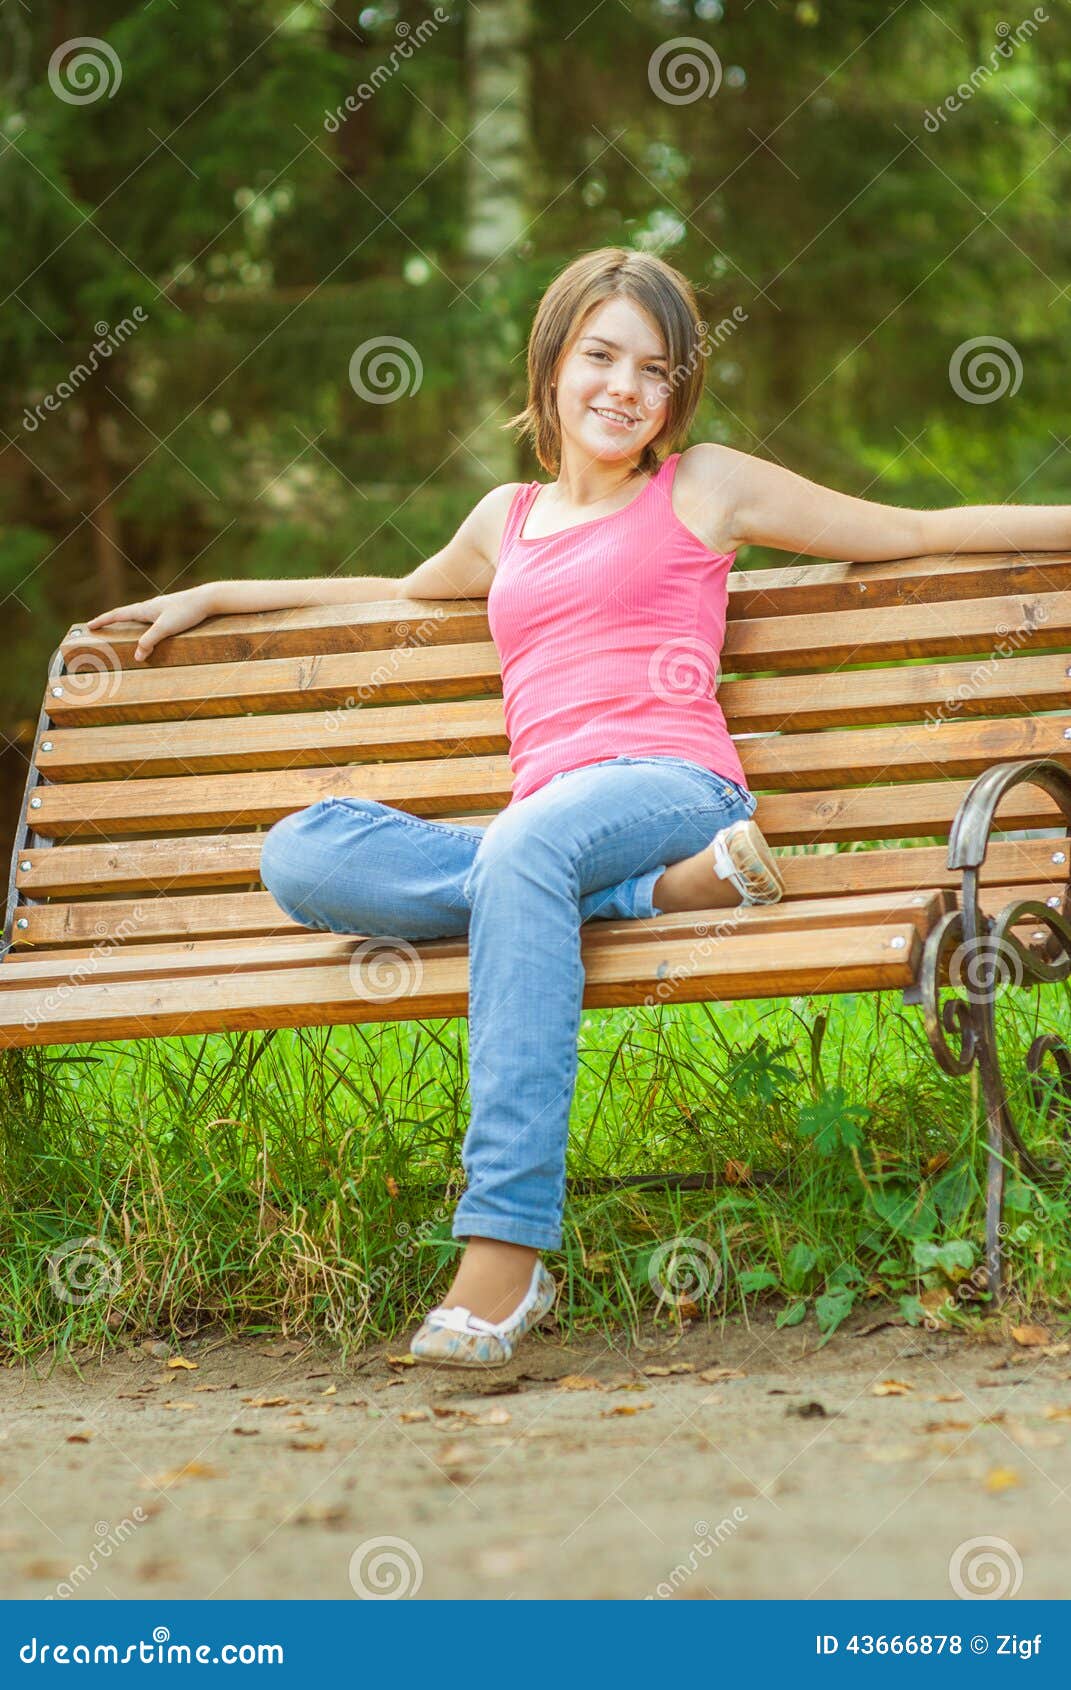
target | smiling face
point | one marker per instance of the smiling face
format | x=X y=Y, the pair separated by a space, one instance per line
x=612 y=383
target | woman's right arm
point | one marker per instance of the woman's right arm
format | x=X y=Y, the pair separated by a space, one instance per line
x=464 y=568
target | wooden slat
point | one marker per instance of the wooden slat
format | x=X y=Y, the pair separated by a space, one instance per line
x=769 y=965
x=299 y=739
x=993 y=899
x=1003 y=686
x=139 y=865
x=815 y=589
x=331 y=681
x=912 y=751
x=815 y=642
x=375 y=626
x=173 y=866
x=206 y=949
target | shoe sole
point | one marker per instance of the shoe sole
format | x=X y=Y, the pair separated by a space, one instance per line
x=747 y=846
x=483 y=1366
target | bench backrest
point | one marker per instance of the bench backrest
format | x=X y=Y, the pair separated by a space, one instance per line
x=151 y=785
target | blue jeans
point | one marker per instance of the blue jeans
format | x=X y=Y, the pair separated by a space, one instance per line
x=591 y=842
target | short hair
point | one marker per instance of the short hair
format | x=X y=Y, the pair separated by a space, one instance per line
x=614 y=272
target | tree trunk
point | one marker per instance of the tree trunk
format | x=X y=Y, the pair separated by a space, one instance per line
x=103 y=519
x=497 y=65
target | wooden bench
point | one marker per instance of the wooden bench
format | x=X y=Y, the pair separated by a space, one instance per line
x=135 y=910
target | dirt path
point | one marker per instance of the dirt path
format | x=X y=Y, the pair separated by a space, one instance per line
x=267 y=1470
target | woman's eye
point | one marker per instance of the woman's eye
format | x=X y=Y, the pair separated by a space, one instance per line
x=651 y=368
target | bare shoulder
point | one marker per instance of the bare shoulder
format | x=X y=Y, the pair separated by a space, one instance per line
x=488 y=518
x=707 y=491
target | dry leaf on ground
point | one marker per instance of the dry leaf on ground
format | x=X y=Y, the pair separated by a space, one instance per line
x=1001 y=1478
x=1030 y=1335
x=493 y=1417
x=174 y=1475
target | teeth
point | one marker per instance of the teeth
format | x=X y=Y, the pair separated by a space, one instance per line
x=618 y=416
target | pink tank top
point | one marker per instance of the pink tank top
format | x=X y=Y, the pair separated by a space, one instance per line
x=609 y=636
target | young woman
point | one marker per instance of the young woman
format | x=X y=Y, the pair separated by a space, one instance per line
x=606 y=596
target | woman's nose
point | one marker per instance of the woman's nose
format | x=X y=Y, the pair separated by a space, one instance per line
x=622 y=383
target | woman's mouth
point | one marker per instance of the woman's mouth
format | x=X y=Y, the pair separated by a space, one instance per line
x=615 y=419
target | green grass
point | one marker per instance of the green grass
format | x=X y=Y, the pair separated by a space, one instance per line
x=280 y=1181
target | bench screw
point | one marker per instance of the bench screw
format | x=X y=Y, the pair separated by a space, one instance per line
x=1059 y=857
x=46 y=745
x=22 y=922
x=25 y=866
x=1053 y=902
x=898 y=943
x=57 y=692
x=35 y=803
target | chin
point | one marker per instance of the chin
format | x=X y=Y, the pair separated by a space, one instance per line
x=610 y=451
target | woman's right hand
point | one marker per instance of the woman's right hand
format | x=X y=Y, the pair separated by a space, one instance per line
x=169 y=613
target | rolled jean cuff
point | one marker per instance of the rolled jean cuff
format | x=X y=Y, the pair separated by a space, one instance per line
x=507 y=1232
x=643 y=892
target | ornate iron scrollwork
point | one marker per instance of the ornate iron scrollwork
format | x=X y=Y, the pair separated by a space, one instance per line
x=989 y=955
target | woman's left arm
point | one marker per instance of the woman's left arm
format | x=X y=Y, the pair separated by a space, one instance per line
x=767 y=505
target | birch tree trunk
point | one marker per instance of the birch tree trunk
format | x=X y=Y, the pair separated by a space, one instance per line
x=497 y=144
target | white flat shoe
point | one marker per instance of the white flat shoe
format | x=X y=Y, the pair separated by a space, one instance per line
x=458 y=1338
x=742 y=856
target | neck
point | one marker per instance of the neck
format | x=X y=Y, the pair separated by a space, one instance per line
x=588 y=481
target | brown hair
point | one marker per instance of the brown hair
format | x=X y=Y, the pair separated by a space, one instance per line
x=612 y=272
